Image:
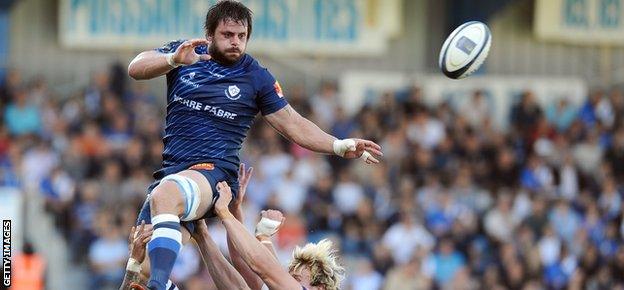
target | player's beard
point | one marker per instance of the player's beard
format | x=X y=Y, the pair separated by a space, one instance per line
x=221 y=56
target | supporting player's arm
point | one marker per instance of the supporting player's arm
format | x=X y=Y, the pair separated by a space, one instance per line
x=223 y=273
x=150 y=64
x=139 y=236
x=254 y=282
x=267 y=227
x=305 y=133
x=257 y=257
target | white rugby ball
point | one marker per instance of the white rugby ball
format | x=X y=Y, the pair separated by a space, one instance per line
x=465 y=49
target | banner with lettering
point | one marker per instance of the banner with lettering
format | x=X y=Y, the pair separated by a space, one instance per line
x=593 y=22
x=280 y=26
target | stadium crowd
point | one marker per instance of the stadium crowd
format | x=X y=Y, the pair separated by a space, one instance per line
x=457 y=203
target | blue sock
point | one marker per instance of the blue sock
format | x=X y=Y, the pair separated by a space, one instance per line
x=163 y=249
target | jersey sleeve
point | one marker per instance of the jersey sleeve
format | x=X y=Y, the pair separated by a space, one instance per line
x=170 y=46
x=270 y=97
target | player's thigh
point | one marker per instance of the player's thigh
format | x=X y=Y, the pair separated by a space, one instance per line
x=167 y=197
x=205 y=190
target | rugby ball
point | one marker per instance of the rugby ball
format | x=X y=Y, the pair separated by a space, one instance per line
x=465 y=49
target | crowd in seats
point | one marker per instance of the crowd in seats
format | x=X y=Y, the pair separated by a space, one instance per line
x=457 y=203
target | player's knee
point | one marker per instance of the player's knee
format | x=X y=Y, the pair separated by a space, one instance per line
x=166 y=198
x=177 y=194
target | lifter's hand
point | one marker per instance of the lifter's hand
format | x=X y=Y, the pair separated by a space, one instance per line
x=243 y=180
x=185 y=53
x=225 y=197
x=363 y=149
x=271 y=221
x=139 y=236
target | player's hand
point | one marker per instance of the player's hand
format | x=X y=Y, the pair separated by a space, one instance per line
x=270 y=223
x=273 y=214
x=201 y=230
x=243 y=180
x=139 y=236
x=185 y=53
x=363 y=149
x=223 y=202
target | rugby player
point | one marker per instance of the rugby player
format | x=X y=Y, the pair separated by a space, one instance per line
x=214 y=91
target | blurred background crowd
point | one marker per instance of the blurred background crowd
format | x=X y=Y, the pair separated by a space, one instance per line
x=510 y=179
x=455 y=204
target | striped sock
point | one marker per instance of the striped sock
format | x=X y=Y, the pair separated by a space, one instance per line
x=171 y=286
x=163 y=249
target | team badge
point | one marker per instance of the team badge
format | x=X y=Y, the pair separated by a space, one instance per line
x=233 y=92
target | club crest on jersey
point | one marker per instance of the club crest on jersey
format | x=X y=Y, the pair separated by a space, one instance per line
x=233 y=92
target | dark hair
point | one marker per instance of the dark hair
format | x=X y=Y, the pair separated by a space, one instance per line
x=227 y=10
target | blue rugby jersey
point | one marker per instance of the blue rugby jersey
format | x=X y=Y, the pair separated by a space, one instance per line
x=211 y=107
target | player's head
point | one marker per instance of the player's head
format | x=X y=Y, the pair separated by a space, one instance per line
x=228 y=28
x=315 y=266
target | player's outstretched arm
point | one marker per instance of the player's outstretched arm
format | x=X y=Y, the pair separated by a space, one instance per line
x=305 y=133
x=139 y=236
x=222 y=272
x=150 y=64
x=257 y=257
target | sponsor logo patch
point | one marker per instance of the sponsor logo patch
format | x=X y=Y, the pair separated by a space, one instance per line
x=202 y=166
x=278 y=89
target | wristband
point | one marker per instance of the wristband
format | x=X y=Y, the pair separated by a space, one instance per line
x=170 y=61
x=133 y=266
x=267 y=227
x=342 y=146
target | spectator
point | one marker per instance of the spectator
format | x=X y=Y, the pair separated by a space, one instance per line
x=407 y=277
x=21 y=116
x=525 y=114
x=447 y=262
x=324 y=104
x=107 y=255
x=425 y=130
x=561 y=114
x=615 y=155
x=365 y=277
x=565 y=220
x=500 y=222
x=587 y=113
x=476 y=110
x=347 y=193
x=407 y=237
x=28 y=270
x=588 y=153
